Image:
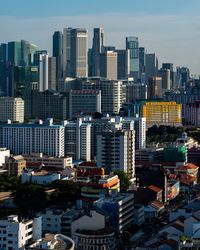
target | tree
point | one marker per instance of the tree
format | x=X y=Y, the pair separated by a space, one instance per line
x=66 y=191
x=30 y=198
x=124 y=180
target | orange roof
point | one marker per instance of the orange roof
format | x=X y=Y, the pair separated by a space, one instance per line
x=154 y=188
x=157 y=204
x=188 y=166
x=187 y=179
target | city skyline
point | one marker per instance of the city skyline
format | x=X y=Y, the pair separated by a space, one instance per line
x=171 y=31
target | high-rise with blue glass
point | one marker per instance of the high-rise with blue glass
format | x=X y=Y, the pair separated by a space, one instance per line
x=132 y=43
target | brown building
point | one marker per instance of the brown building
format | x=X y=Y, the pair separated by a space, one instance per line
x=154 y=87
x=14 y=165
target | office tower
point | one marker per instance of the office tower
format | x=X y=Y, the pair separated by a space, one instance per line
x=84 y=102
x=154 y=88
x=160 y=113
x=11 y=109
x=123 y=64
x=142 y=64
x=58 y=52
x=151 y=68
x=41 y=60
x=132 y=43
x=165 y=75
x=49 y=104
x=97 y=49
x=108 y=65
x=27 y=51
x=52 y=73
x=116 y=150
x=135 y=91
x=14 y=53
x=109 y=48
x=90 y=62
x=3 y=52
x=78 y=53
x=78 y=140
x=67 y=52
x=170 y=67
x=33 y=138
x=182 y=76
x=113 y=93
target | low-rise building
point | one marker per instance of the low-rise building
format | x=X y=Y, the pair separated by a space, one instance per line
x=4 y=154
x=42 y=177
x=15 y=165
x=16 y=234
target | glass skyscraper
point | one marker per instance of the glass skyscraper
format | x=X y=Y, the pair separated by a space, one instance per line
x=132 y=43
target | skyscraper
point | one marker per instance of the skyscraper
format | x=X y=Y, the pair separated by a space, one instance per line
x=14 y=53
x=79 y=50
x=97 y=48
x=27 y=51
x=142 y=63
x=57 y=52
x=108 y=65
x=132 y=43
x=170 y=66
x=154 y=87
x=66 y=52
x=41 y=61
x=75 y=58
x=52 y=73
x=123 y=63
x=3 y=52
x=151 y=69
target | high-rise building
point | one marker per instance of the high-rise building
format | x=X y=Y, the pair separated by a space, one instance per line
x=170 y=67
x=84 y=102
x=14 y=53
x=113 y=93
x=41 y=60
x=151 y=68
x=160 y=113
x=154 y=87
x=49 y=104
x=66 y=52
x=52 y=73
x=3 y=52
x=11 y=109
x=33 y=138
x=123 y=63
x=132 y=43
x=97 y=49
x=75 y=58
x=108 y=65
x=142 y=64
x=135 y=91
x=78 y=140
x=182 y=76
x=116 y=150
x=140 y=130
x=27 y=51
x=58 y=52
x=165 y=74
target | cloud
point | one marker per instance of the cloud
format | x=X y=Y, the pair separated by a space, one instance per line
x=174 y=38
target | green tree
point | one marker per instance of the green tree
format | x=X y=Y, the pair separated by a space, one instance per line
x=124 y=180
x=30 y=198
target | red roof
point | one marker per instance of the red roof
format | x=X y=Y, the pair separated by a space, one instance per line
x=155 y=189
x=188 y=166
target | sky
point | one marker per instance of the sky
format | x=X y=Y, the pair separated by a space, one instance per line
x=170 y=28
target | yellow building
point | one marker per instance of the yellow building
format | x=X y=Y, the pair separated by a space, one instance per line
x=162 y=113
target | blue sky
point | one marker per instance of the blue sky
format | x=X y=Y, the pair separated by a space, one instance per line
x=170 y=28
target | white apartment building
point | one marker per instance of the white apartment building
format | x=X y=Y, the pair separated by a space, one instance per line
x=78 y=140
x=11 y=109
x=33 y=138
x=140 y=130
x=116 y=150
x=15 y=234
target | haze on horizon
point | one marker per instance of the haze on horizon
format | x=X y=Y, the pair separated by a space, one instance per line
x=170 y=29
